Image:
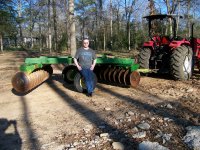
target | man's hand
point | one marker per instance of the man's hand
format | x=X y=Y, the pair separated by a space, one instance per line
x=92 y=67
x=79 y=68
x=77 y=65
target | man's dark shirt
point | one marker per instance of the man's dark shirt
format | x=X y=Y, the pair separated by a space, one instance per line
x=85 y=57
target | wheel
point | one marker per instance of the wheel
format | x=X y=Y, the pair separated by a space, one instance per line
x=144 y=58
x=48 y=68
x=79 y=82
x=181 y=63
x=134 y=79
x=69 y=73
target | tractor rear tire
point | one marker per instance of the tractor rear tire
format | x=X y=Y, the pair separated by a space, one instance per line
x=144 y=58
x=79 y=82
x=181 y=63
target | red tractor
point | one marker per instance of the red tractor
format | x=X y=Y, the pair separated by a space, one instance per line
x=169 y=53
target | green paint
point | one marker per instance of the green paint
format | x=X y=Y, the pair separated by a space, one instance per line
x=115 y=60
x=29 y=68
x=134 y=67
x=49 y=60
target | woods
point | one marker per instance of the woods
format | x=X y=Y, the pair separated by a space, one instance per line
x=115 y=25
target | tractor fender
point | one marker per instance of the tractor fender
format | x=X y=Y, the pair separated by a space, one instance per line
x=175 y=44
x=149 y=44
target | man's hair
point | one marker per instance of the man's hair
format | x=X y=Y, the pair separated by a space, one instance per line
x=86 y=39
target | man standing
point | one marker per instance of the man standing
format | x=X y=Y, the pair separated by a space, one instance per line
x=85 y=61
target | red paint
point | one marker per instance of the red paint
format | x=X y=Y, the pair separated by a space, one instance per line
x=196 y=47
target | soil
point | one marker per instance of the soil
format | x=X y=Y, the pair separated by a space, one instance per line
x=54 y=115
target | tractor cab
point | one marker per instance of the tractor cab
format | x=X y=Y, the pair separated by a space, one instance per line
x=162 y=29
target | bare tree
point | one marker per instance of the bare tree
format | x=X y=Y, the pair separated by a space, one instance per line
x=55 y=25
x=171 y=8
x=31 y=23
x=1 y=43
x=152 y=7
x=129 y=11
x=188 y=16
x=66 y=20
x=19 y=10
x=72 y=28
x=49 y=27
x=111 y=25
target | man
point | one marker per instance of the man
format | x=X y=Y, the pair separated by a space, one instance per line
x=85 y=61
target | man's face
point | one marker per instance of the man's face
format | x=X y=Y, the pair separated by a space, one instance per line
x=85 y=43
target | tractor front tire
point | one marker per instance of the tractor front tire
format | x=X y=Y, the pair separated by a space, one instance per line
x=144 y=58
x=181 y=63
x=79 y=82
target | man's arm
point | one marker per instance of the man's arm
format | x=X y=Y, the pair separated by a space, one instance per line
x=77 y=65
x=93 y=64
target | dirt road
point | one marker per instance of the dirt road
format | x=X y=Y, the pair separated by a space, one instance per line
x=55 y=116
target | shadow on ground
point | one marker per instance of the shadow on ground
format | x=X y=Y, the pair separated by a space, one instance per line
x=9 y=140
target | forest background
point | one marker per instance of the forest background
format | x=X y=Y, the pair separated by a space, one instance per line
x=111 y=25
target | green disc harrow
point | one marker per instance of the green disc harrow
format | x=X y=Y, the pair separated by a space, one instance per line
x=35 y=71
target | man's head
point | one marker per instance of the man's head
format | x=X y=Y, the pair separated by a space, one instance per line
x=86 y=43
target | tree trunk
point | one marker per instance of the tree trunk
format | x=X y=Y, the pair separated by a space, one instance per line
x=20 y=25
x=83 y=28
x=49 y=27
x=170 y=20
x=72 y=28
x=67 y=26
x=111 y=26
x=40 y=38
x=55 y=25
x=188 y=17
x=1 y=42
x=31 y=23
x=97 y=24
x=129 y=13
x=129 y=37
x=104 y=38
x=135 y=36
x=171 y=8
x=152 y=7
x=47 y=41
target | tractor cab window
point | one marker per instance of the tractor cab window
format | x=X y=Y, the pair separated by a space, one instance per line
x=195 y=29
x=183 y=30
x=161 y=27
x=160 y=30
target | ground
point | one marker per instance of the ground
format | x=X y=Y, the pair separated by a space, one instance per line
x=55 y=116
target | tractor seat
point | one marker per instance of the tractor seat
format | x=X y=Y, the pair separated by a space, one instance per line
x=165 y=40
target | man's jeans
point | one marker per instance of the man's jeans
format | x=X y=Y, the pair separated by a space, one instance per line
x=89 y=79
